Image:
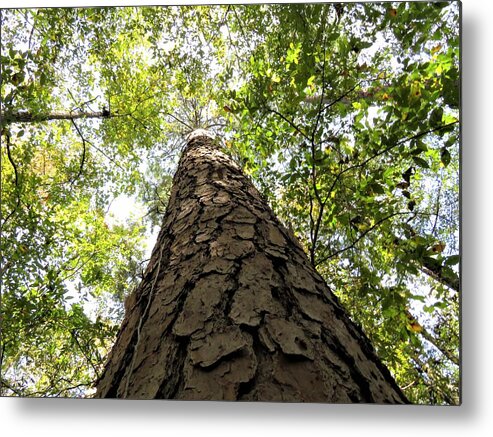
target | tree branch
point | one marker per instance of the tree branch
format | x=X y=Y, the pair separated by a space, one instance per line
x=74 y=336
x=387 y=149
x=81 y=165
x=28 y=117
x=363 y=234
x=16 y=181
x=296 y=128
x=319 y=113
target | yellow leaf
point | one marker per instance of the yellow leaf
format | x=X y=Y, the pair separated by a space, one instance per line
x=438 y=247
x=436 y=48
x=415 y=327
x=415 y=89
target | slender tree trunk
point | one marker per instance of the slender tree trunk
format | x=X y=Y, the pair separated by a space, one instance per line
x=231 y=309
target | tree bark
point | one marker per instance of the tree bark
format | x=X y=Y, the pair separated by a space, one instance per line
x=230 y=307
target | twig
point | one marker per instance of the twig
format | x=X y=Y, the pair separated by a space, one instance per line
x=319 y=114
x=9 y=387
x=444 y=351
x=16 y=176
x=296 y=128
x=179 y=121
x=362 y=235
x=437 y=209
x=32 y=30
x=408 y=385
x=387 y=149
x=81 y=165
x=342 y=96
x=74 y=336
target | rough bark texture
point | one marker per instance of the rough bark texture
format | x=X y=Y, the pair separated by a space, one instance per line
x=231 y=309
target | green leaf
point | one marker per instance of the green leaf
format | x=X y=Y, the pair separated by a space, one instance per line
x=451 y=141
x=452 y=260
x=421 y=162
x=445 y=157
x=376 y=188
x=429 y=309
x=436 y=117
x=448 y=273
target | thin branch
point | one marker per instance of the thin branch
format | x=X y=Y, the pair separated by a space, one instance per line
x=319 y=114
x=312 y=227
x=16 y=176
x=237 y=57
x=83 y=158
x=425 y=368
x=3 y=347
x=342 y=96
x=79 y=107
x=362 y=235
x=414 y=137
x=452 y=283
x=437 y=209
x=408 y=385
x=239 y=24
x=445 y=352
x=74 y=336
x=296 y=128
x=85 y=141
x=9 y=387
x=320 y=203
x=105 y=155
x=32 y=30
x=179 y=121
x=82 y=384
x=387 y=149
x=314 y=169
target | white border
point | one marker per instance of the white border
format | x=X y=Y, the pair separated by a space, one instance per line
x=116 y=418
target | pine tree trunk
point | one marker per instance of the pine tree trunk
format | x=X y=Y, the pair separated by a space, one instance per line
x=230 y=308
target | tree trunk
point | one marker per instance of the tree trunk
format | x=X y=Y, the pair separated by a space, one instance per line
x=230 y=308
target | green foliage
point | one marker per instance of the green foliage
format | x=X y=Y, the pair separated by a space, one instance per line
x=345 y=115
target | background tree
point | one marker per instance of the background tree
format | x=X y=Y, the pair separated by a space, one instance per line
x=344 y=115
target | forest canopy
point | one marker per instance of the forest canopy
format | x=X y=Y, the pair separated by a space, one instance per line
x=345 y=116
